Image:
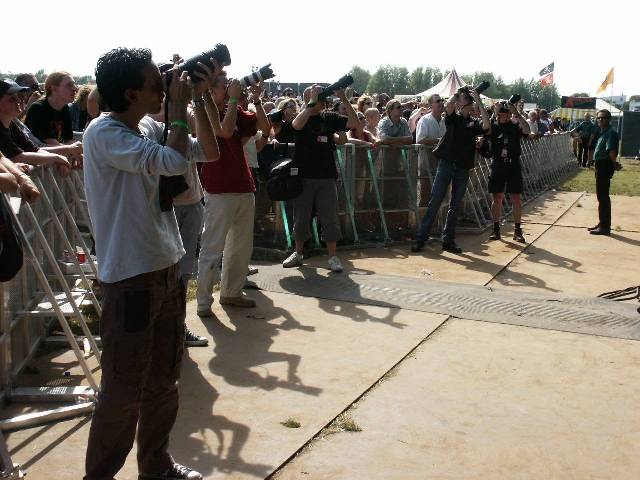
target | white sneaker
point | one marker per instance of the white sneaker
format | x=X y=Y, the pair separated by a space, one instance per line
x=334 y=264
x=293 y=260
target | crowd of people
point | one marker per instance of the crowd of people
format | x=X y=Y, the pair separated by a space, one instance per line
x=163 y=178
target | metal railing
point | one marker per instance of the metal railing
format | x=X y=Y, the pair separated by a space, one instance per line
x=384 y=192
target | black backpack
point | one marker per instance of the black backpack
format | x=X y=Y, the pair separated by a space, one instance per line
x=285 y=181
x=11 y=257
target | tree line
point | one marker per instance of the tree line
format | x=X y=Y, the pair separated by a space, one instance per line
x=396 y=80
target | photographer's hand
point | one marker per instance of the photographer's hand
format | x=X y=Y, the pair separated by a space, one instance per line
x=179 y=96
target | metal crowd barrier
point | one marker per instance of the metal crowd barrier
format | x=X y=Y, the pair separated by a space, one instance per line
x=384 y=192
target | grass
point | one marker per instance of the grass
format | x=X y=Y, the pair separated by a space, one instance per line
x=192 y=288
x=624 y=182
x=344 y=423
x=291 y=423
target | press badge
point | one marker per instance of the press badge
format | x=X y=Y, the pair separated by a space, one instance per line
x=293 y=171
x=322 y=139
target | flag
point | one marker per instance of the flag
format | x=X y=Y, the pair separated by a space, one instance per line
x=546 y=74
x=607 y=81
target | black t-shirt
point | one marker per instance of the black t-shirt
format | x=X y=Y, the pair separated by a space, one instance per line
x=45 y=122
x=13 y=141
x=315 y=146
x=458 y=144
x=505 y=136
x=286 y=133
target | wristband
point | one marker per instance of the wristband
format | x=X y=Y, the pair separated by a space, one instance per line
x=180 y=123
x=233 y=100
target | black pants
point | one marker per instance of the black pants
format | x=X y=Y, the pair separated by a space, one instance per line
x=603 y=183
x=583 y=152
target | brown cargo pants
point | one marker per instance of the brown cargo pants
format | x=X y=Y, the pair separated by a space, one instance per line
x=142 y=330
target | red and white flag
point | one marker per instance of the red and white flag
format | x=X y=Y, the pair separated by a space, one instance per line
x=546 y=75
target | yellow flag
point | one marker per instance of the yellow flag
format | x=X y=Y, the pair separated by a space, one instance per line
x=607 y=81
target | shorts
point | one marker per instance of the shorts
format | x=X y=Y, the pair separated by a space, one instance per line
x=505 y=177
x=323 y=194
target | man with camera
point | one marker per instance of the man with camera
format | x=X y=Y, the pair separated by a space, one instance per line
x=455 y=151
x=605 y=159
x=138 y=247
x=314 y=156
x=506 y=172
x=229 y=200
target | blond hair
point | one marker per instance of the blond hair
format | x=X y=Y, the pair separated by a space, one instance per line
x=53 y=80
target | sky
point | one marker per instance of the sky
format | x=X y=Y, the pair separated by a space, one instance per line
x=321 y=41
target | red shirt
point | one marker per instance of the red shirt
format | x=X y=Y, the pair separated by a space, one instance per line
x=231 y=174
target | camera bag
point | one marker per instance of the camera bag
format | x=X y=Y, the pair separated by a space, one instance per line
x=285 y=181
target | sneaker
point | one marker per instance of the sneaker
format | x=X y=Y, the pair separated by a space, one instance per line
x=518 y=237
x=600 y=231
x=205 y=312
x=293 y=260
x=495 y=235
x=252 y=270
x=451 y=247
x=418 y=246
x=193 y=340
x=239 y=301
x=176 y=472
x=334 y=264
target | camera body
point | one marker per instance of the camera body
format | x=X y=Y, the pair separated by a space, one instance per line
x=479 y=89
x=277 y=116
x=515 y=98
x=341 y=84
x=263 y=73
x=220 y=53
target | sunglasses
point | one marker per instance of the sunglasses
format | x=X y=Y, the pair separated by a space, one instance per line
x=602 y=118
x=438 y=101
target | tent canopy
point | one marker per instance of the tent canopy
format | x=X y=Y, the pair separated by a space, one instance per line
x=447 y=87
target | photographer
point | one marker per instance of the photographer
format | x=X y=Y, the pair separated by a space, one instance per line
x=506 y=171
x=282 y=127
x=138 y=247
x=455 y=151
x=314 y=156
x=229 y=200
x=605 y=158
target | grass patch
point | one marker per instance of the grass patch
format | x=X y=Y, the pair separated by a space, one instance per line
x=291 y=423
x=192 y=288
x=625 y=182
x=344 y=423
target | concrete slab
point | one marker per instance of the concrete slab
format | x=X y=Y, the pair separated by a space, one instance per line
x=481 y=400
x=570 y=261
x=480 y=261
x=290 y=357
x=549 y=207
x=624 y=213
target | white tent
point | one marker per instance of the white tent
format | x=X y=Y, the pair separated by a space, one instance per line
x=578 y=113
x=447 y=87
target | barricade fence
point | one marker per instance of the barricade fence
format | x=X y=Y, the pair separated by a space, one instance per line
x=384 y=192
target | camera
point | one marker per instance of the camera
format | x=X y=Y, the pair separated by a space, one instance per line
x=479 y=89
x=341 y=84
x=220 y=53
x=276 y=116
x=263 y=73
x=515 y=98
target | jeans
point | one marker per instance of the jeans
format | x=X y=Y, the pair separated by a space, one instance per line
x=447 y=173
x=189 y=219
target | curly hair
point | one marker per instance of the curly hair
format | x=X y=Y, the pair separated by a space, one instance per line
x=118 y=70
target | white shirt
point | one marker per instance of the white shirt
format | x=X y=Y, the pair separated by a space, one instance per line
x=250 y=151
x=122 y=171
x=429 y=127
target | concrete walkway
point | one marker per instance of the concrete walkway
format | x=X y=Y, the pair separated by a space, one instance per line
x=435 y=397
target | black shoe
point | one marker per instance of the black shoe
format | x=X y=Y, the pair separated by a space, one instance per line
x=176 y=472
x=600 y=231
x=418 y=246
x=495 y=235
x=518 y=237
x=597 y=227
x=451 y=247
x=193 y=340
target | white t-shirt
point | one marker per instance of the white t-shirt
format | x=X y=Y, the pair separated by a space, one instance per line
x=429 y=127
x=250 y=152
x=122 y=171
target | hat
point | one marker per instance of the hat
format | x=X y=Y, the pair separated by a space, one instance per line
x=9 y=86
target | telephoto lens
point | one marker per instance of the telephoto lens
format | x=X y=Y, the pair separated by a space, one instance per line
x=220 y=53
x=341 y=84
x=515 y=98
x=263 y=73
x=482 y=87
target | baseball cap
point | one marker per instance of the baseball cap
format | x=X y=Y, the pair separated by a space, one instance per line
x=9 y=86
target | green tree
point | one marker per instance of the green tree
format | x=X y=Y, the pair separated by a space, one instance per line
x=390 y=79
x=40 y=75
x=361 y=78
x=416 y=80
x=545 y=96
x=580 y=94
